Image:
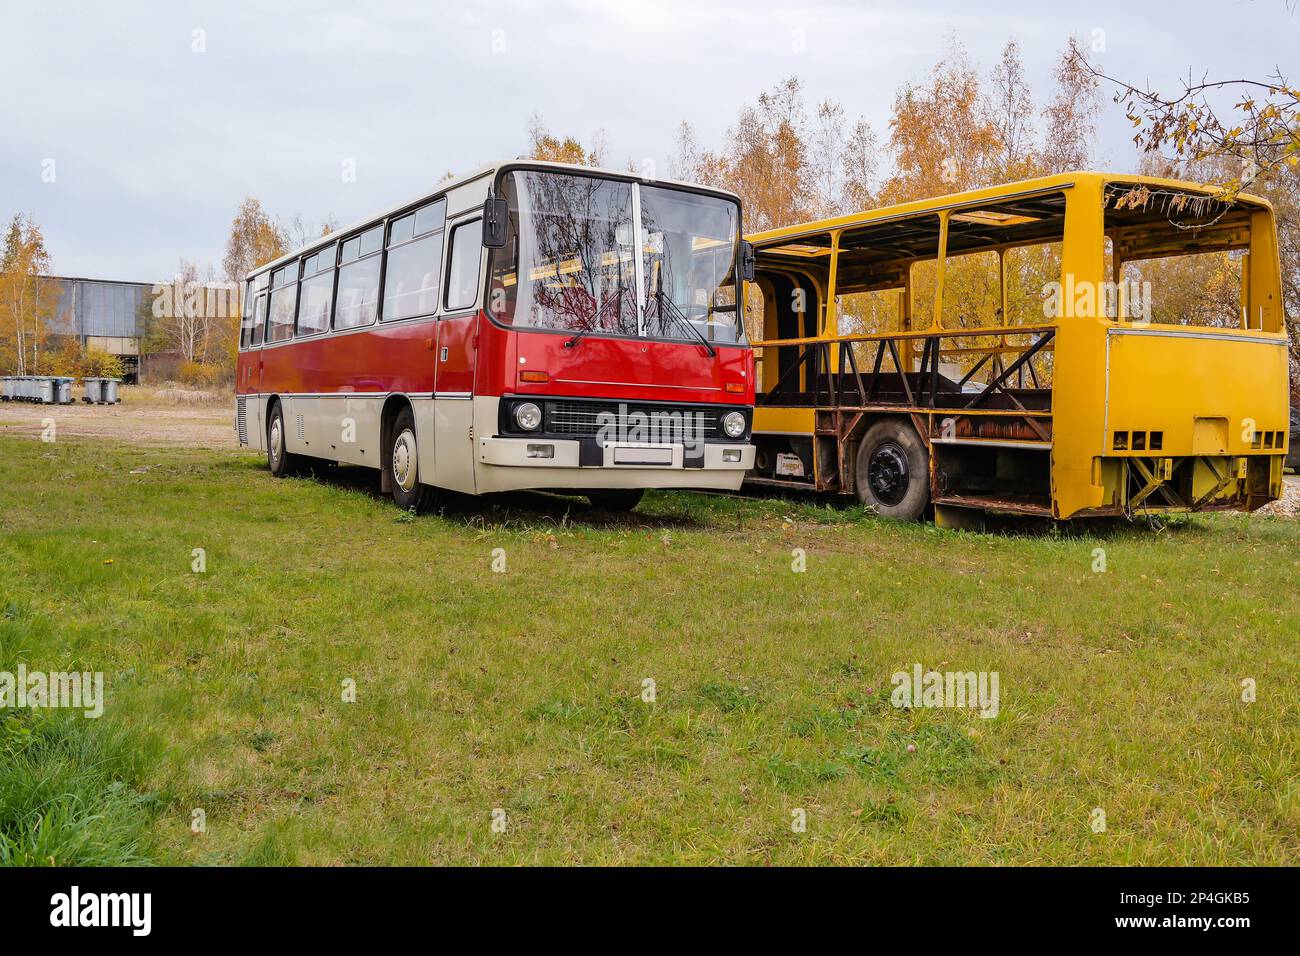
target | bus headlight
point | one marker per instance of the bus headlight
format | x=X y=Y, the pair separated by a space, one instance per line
x=733 y=423
x=528 y=416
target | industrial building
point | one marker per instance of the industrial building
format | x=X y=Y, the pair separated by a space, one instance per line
x=104 y=314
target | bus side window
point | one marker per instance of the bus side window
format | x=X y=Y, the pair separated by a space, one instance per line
x=412 y=264
x=246 y=323
x=463 y=265
x=259 y=319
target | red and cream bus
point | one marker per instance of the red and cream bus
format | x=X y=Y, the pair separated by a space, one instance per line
x=532 y=326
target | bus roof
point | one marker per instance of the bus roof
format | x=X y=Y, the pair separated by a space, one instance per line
x=452 y=184
x=988 y=194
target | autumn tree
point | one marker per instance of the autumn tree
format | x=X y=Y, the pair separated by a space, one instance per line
x=1281 y=186
x=542 y=145
x=1011 y=109
x=860 y=167
x=942 y=135
x=1070 y=118
x=784 y=167
x=1234 y=133
x=1252 y=121
x=1212 y=282
x=955 y=131
x=299 y=232
x=28 y=298
x=185 y=311
x=255 y=239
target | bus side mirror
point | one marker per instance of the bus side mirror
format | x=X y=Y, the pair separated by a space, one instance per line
x=495 y=214
x=746 y=260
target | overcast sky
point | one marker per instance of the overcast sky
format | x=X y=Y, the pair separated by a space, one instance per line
x=156 y=131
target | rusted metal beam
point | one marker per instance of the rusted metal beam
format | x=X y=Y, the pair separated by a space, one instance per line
x=1000 y=381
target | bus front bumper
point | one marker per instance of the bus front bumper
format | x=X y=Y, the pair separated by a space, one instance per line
x=544 y=452
x=509 y=464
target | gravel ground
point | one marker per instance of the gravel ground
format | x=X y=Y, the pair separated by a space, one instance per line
x=146 y=417
x=1289 y=504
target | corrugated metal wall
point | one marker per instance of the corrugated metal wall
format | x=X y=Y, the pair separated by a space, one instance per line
x=95 y=307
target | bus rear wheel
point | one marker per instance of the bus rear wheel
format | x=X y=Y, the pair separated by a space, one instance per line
x=893 y=471
x=280 y=461
x=615 y=499
x=404 y=466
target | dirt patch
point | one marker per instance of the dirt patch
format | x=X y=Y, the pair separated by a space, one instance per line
x=146 y=417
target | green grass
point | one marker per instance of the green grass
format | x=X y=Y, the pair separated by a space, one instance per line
x=72 y=793
x=523 y=690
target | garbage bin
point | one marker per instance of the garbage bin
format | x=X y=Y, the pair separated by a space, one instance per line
x=45 y=394
x=110 y=391
x=6 y=388
x=63 y=390
x=94 y=391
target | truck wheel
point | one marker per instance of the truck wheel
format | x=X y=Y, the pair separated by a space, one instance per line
x=893 y=471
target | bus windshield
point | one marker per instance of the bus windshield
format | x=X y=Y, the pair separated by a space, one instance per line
x=570 y=259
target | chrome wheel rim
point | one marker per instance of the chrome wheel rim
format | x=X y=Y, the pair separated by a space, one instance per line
x=404 y=470
x=277 y=439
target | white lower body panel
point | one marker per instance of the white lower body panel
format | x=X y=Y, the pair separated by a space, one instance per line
x=347 y=428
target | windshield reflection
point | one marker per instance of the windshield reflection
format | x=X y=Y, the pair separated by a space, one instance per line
x=570 y=259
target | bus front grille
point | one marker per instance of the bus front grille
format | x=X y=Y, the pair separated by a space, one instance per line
x=585 y=419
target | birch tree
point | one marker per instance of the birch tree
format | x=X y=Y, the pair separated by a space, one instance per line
x=28 y=297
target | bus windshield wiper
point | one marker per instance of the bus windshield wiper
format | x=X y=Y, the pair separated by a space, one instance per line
x=590 y=324
x=661 y=297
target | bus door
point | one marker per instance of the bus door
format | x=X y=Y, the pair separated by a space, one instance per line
x=259 y=332
x=457 y=342
x=457 y=347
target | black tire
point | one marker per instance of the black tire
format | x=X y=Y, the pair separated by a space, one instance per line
x=403 y=464
x=615 y=499
x=281 y=462
x=893 y=471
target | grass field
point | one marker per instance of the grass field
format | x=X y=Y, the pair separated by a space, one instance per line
x=522 y=691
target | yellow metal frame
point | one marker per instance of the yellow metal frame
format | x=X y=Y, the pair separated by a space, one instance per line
x=1207 y=392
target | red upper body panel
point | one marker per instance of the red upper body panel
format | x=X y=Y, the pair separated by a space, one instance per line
x=487 y=359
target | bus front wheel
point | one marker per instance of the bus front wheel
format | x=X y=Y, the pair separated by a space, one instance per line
x=615 y=499
x=893 y=472
x=404 y=466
